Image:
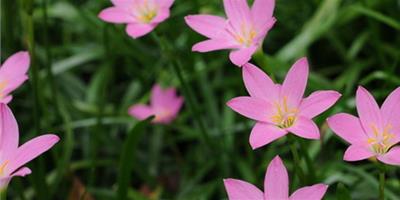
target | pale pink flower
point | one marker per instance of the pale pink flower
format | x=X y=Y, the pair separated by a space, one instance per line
x=279 y=109
x=141 y=16
x=375 y=133
x=276 y=186
x=164 y=105
x=243 y=32
x=13 y=73
x=12 y=157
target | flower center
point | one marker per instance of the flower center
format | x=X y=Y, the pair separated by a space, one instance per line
x=382 y=141
x=245 y=35
x=146 y=12
x=285 y=116
x=2 y=167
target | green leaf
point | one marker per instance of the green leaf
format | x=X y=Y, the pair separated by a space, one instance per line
x=342 y=193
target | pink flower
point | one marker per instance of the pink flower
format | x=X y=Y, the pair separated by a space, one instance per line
x=279 y=109
x=13 y=74
x=164 y=105
x=243 y=31
x=141 y=16
x=12 y=157
x=276 y=186
x=375 y=132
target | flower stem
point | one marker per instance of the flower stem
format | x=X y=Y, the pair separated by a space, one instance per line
x=381 y=181
x=3 y=194
x=297 y=165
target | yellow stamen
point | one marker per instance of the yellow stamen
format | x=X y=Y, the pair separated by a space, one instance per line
x=246 y=35
x=284 y=116
x=381 y=142
x=147 y=13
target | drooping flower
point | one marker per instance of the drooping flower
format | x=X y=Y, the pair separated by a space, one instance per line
x=164 y=105
x=279 y=109
x=141 y=16
x=375 y=132
x=243 y=32
x=276 y=186
x=12 y=157
x=13 y=73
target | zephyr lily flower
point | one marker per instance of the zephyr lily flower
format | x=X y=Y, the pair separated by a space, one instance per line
x=141 y=16
x=375 y=132
x=12 y=157
x=276 y=186
x=243 y=31
x=164 y=105
x=279 y=109
x=13 y=74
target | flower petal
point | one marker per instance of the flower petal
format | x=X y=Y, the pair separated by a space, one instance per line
x=348 y=128
x=295 y=82
x=262 y=10
x=31 y=150
x=253 y=108
x=137 y=30
x=237 y=11
x=9 y=133
x=264 y=133
x=368 y=111
x=391 y=110
x=392 y=157
x=305 y=128
x=116 y=15
x=15 y=66
x=240 y=190
x=4 y=181
x=207 y=25
x=166 y=3
x=276 y=182
x=242 y=56
x=314 y=192
x=318 y=102
x=213 y=45
x=258 y=83
x=141 y=111
x=356 y=153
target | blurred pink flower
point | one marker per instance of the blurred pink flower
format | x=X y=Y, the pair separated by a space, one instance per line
x=164 y=105
x=279 y=109
x=13 y=73
x=243 y=31
x=276 y=186
x=141 y=16
x=375 y=132
x=12 y=157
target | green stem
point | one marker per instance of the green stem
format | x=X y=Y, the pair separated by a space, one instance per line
x=296 y=158
x=310 y=167
x=3 y=194
x=381 y=182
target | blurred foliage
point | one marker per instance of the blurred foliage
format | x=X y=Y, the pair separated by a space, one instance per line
x=99 y=72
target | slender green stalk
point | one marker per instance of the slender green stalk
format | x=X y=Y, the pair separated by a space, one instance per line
x=381 y=181
x=310 y=166
x=296 y=158
x=3 y=194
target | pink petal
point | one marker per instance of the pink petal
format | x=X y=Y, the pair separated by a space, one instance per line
x=250 y=107
x=139 y=30
x=391 y=110
x=295 y=82
x=15 y=66
x=348 y=128
x=368 y=111
x=242 y=56
x=207 y=25
x=166 y=3
x=4 y=181
x=14 y=83
x=305 y=128
x=264 y=133
x=157 y=96
x=240 y=190
x=162 y=15
x=276 y=182
x=213 y=45
x=116 y=15
x=6 y=99
x=314 y=192
x=356 y=153
x=262 y=11
x=121 y=3
x=141 y=111
x=22 y=172
x=318 y=102
x=237 y=11
x=258 y=84
x=264 y=29
x=31 y=150
x=392 y=157
x=9 y=134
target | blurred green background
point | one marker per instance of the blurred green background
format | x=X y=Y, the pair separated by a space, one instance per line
x=99 y=71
